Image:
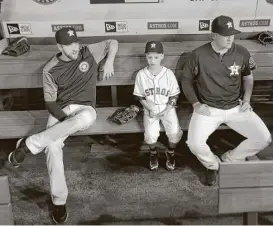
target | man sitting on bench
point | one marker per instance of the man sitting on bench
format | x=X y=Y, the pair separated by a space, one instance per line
x=222 y=70
x=69 y=84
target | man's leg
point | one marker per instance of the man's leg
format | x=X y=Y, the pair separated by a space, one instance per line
x=174 y=133
x=58 y=187
x=251 y=126
x=81 y=117
x=200 y=128
x=55 y=167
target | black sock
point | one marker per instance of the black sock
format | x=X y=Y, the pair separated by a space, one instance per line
x=171 y=150
x=153 y=150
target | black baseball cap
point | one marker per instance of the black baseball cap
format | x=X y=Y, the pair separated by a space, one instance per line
x=66 y=36
x=154 y=47
x=224 y=25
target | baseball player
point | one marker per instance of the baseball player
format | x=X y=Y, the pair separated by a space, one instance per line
x=69 y=84
x=224 y=83
x=157 y=89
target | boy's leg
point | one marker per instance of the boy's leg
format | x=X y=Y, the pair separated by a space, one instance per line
x=151 y=135
x=81 y=117
x=251 y=126
x=174 y=133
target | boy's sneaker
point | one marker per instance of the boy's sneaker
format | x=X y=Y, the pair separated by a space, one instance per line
x=170 y=160
x=59 y=214
x=18 y=155
x=153 y=160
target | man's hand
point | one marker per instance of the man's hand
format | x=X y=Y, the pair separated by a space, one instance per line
x=201 y=109
x=108 y=70
x=245 y=106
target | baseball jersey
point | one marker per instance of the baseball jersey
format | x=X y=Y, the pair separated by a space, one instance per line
x=219 y=80
x=156 y=89
x=74 y=82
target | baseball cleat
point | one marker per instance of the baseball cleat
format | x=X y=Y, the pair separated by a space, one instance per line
x=211 y=177
x=170 y=160
x=153 y=161
x=59 y=214
x=16 y=157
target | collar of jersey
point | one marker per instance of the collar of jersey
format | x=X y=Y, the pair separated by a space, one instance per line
x=227 y=53
x=149 y=75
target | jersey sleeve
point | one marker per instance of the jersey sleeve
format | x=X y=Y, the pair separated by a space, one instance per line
x=99 y=50
x=174 y=87
x=50 y=87
x=249 y=63
x=138 y=89
x=190 y=69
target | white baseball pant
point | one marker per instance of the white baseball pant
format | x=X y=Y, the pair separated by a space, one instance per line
x=51 y=140
x=248 y=124
x=170 y=123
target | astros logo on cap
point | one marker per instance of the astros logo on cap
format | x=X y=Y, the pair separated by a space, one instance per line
x=84 y=66
x=70 y=33
x=229 y=24
x=153 y=45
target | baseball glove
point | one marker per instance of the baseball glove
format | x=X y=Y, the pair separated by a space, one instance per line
x=18 y=47
x=266 y=37
x=124 y=115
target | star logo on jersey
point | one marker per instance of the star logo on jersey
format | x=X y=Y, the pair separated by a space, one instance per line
x=70 y=33
x=229 y=24
x=84 y=66
x=234 y=69
x=153 y=45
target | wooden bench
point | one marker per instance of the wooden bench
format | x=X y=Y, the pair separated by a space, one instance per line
x=246 y=188
x=25 y=72
x=6 y=215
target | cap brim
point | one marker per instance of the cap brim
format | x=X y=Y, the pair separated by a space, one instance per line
x=231 y=32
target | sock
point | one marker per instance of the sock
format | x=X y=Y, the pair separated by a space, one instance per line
x=153 y=150
x=171 y=150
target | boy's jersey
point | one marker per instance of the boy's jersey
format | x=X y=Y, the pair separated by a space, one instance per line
x=156 y=89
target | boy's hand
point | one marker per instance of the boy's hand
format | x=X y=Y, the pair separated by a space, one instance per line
x=152 y=114
x=165 y=111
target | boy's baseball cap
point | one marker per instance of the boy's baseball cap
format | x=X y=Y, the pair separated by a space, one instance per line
x=66 y=36
x=154 y=47
x=224 y=25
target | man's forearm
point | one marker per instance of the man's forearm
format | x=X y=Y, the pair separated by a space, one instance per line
x=248 y=88
x=55 y=110
x=113 y=48
x=188 y=89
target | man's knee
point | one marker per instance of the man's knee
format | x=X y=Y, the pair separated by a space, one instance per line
x=54 y=148
x=88 y=117
x=264 y=141
x=195 y=146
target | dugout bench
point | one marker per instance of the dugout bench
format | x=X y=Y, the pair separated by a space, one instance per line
x=26 y=72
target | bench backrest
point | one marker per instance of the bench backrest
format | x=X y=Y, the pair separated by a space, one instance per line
x=246 y=187
x=130 y=58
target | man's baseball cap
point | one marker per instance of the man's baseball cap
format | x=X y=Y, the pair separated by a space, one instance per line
x=154 y=47
x=224 y=25
x=66 y=36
